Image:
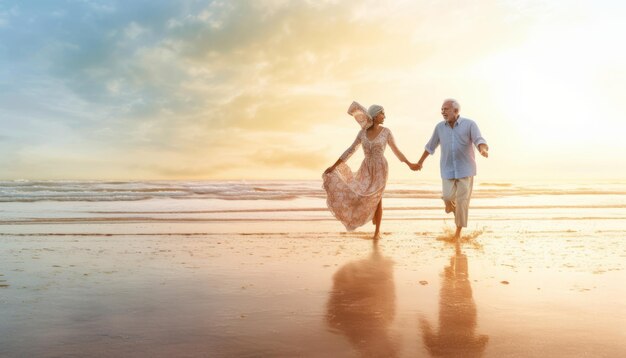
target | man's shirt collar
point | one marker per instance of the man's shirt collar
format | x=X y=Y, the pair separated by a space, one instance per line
x=456 y=123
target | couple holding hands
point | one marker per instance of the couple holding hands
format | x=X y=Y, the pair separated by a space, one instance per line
x=356 y=198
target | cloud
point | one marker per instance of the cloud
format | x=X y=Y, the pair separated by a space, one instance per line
x=164 y=79
x=172 y=83
x=288 y=157
x=134 y=64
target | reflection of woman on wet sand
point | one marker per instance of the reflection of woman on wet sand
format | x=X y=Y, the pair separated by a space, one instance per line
x=457 y=315
x=362 y=305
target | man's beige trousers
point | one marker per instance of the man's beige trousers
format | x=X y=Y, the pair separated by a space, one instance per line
x=457 y=192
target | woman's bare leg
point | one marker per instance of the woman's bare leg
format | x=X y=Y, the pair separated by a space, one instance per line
x=378 y=217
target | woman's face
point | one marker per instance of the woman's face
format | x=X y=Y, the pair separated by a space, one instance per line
x=380 y=117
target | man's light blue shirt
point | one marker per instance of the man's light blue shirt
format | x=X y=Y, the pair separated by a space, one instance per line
x=457 y=153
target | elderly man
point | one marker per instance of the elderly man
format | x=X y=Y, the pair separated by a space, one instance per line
x=456 y=135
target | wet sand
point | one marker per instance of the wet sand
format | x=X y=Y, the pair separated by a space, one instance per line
x=272 y=289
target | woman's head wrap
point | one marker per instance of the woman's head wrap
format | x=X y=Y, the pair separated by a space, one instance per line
x=374 y=110
x=364 y=117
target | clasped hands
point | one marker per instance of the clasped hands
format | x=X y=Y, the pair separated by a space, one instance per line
x=414 y=166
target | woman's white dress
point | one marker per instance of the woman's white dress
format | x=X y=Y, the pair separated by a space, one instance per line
x=353 y=197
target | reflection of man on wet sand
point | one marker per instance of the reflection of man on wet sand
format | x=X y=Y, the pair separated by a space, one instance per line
x=362 y=305
x=457 y=315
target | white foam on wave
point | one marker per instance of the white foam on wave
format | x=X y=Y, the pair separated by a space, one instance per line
x=33 y=191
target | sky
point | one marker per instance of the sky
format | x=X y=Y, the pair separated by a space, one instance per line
x=242 y=90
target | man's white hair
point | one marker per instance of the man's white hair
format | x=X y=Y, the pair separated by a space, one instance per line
x=455 y=103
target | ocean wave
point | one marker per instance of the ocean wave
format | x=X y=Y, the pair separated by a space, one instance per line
x=392 y=208
x=33 y=191
x=134 y=220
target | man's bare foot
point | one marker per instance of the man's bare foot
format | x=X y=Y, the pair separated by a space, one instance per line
x=450 y=207
x=457 y=234
x=376 y=236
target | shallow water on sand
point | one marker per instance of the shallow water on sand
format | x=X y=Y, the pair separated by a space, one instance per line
x=535 y=275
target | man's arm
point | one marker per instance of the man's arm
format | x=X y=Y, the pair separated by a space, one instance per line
x=424 y=156
x=428 y=150
x=478 y=140
x=420 y=163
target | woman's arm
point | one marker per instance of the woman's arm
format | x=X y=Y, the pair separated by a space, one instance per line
x=347 y=154
x=394 y=148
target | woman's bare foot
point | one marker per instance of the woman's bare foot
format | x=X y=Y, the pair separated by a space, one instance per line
x=377 y=236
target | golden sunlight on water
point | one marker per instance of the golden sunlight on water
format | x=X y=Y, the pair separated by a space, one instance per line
x=273 y=274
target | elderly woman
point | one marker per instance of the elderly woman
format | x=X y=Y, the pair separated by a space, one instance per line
x=356 y=198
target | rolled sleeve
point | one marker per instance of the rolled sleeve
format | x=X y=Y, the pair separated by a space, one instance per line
x=432 y=143
x=477 y=137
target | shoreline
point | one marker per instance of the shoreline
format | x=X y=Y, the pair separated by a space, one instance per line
x=281 y=278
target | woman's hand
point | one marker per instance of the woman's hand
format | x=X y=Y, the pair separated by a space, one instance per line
x=415 y=166
x=332 y=167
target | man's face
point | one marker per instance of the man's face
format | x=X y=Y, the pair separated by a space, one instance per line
x=448 y=111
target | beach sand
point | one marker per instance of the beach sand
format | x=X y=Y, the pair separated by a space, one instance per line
x=136 y=282
x=313 y=292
